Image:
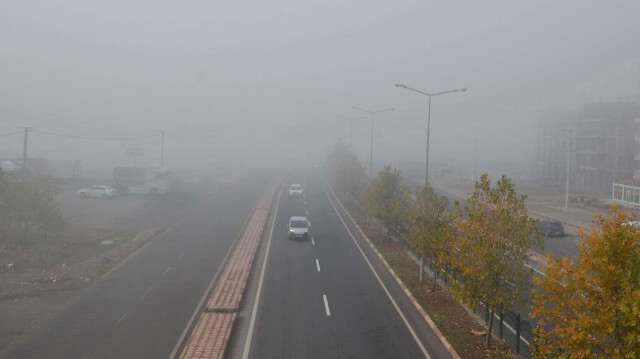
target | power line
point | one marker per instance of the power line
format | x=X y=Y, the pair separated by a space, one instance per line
x=10 y=134
x=89 y=137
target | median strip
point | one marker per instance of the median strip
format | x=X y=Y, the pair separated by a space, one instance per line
x=210 y=336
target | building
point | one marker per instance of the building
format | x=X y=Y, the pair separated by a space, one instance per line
x=601 y=141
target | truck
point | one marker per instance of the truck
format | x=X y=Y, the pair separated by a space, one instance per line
x=137 y=180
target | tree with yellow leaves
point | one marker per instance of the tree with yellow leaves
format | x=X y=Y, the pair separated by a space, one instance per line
x=589 y=307
x=428 y=223
x=491 y=239
x=385 y=198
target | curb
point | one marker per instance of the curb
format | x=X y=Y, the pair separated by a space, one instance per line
x=413 y=300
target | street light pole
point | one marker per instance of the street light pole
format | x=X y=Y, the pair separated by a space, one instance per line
x=372 y=114
x=566 y=189
x=351 y=119
x=426 y=161
x=426 y=166
x=25 y=170
x=430 y=95
x=162 y=149
x=475 y=162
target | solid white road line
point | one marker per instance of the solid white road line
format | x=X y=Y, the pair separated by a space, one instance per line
x=535 y=270
x=180 y=256
x=145 y=292
x=404 y=319
x=252 y=322
x=312 y=241
x=318 y=265
x=326 y=305
x=165 y=272
x=119 y=320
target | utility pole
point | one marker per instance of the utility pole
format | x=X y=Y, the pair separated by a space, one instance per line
x=566 y=190
x=25 y=171
x=162 y=149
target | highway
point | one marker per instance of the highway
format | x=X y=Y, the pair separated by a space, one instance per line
x=141 y=309
x=328 y=297
x=322 y=299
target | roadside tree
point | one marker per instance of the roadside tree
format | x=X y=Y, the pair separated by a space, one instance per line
x=385 y=198
x=589 y=307
x=429 y=220
x=492 y=237
x=345 y=171
x=28 y=203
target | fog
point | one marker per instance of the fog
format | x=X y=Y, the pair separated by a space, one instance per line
x=264 y=82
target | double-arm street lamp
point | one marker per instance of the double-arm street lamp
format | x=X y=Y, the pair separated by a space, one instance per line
x=372 y=114
x=463 y=89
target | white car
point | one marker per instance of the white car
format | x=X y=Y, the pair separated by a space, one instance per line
x=299 y=228
x=98 y=191
x=295 y=190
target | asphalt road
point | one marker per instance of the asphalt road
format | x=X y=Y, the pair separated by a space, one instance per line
x=141 y=309
x=320 y=298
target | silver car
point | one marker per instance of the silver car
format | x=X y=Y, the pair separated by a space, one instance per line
x=299 y=228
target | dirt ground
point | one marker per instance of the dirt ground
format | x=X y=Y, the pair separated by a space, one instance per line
x=451 y=318
x=40 y=276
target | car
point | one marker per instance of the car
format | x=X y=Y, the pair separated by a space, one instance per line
x=295 y=190
x=551 y=228
x=299 y=228
x=98 y=191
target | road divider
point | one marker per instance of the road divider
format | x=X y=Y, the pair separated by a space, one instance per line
x=211 y=334
x=228 y=292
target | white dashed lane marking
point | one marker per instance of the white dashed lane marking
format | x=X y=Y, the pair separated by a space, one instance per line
x=145 y=292
x=119 y=320
x=326 y=305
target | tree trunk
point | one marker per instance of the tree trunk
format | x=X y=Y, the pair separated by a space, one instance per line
x=488 y=344
x=435 y=278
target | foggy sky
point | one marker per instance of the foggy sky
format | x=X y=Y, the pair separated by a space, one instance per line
x=266 y=79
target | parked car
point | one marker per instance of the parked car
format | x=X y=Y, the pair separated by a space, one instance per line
x=99 y=191
x=295 y=190
x=298 y=228
x=551 y=228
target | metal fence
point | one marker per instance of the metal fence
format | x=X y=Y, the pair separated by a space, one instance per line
x=513 y=326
